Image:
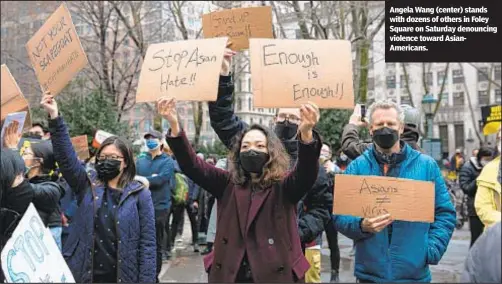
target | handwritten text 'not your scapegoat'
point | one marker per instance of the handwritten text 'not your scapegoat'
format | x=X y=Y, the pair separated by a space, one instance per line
x=44 y=60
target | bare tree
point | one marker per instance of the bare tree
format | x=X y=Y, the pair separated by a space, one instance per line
x=471 y=109
x=105 y=46
x=176 y=10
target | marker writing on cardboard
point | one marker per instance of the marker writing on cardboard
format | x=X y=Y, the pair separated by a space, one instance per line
x=376 y=188
x=270 y=57
x=176 y=81
x=31 y=247
x=180 y=59
x=236 y=32
x=218 y=20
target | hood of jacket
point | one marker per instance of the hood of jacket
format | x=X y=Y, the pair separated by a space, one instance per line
x=475 y=164
x=489 y=176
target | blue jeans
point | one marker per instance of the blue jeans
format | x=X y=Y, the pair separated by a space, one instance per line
x=56 y=234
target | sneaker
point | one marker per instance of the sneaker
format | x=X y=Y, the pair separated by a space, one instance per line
x=196 y=247
x=207 y=250
x=166 y=255
x=334 y=277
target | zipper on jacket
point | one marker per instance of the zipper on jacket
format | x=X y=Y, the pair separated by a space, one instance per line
x=118 y=231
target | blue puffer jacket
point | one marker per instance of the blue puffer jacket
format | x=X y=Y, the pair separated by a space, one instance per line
x=414 y=245
x=136 y=248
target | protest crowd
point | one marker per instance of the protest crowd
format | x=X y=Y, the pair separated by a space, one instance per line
x=116 y=217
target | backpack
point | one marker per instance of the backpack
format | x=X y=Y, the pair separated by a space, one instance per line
x=180 y=189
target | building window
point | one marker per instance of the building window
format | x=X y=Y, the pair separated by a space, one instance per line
x=458 y=99
x=444 y=99
x=498 y=97
x=402 y=81
x=483 y=97
x=391 y=82
x=459 y=135
x=298 y=34
x=458 y=77
x=250 y=87
x=238 y=85
x=147 y=125
x=497 y=72
x=405 y=100
x=483 y=74
x=191 y=125
x=261 y=121
x=250 y=104
x=252 y=121
x=371 y=84
x=239 y=104
x=443 y=135
x=441 y=77
x=428 y=79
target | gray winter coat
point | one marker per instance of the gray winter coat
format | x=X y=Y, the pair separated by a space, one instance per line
x=483 y=262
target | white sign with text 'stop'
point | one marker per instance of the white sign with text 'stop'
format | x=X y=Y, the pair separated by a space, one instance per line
x=31 y=254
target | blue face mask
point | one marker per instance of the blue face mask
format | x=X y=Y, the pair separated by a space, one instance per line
x=152 y=144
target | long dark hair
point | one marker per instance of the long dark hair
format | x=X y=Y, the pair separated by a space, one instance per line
x=126 y=150
x=485 y=151
x=44 y=151
x=275 y=168
x=12 y=165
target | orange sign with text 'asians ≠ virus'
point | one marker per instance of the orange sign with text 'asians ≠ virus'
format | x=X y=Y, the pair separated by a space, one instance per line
x=289 y=73
x=372 y=196
x=186 y=70
x=55 y=52
x=239 y=25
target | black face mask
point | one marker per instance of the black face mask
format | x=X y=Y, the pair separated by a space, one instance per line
x=32 y=135
x=107 y=169
x=285 y=130
x=253 y=161
x=385 y=137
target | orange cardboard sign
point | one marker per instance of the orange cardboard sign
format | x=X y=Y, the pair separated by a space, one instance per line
x=12 y=100
x=239 y=25
x=55 y=52
x=186 y=70
x=371 y=196
x=288 y=73
x=80 y=146
x=100 y=137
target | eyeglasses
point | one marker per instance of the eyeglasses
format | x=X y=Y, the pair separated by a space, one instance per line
x=110 y=157
x=291 y=118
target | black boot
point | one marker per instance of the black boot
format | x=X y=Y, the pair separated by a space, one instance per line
x=208 y=249
x=334 y=277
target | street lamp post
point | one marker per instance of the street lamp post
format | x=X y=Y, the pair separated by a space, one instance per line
x=431 y=146
x=428 y=105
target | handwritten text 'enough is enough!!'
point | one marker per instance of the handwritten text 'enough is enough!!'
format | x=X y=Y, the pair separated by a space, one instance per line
x=47 y=50
x=175 y=62
x=308 y=61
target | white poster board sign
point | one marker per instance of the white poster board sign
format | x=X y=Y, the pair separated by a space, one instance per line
x=31 y=254
x=11 y=117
